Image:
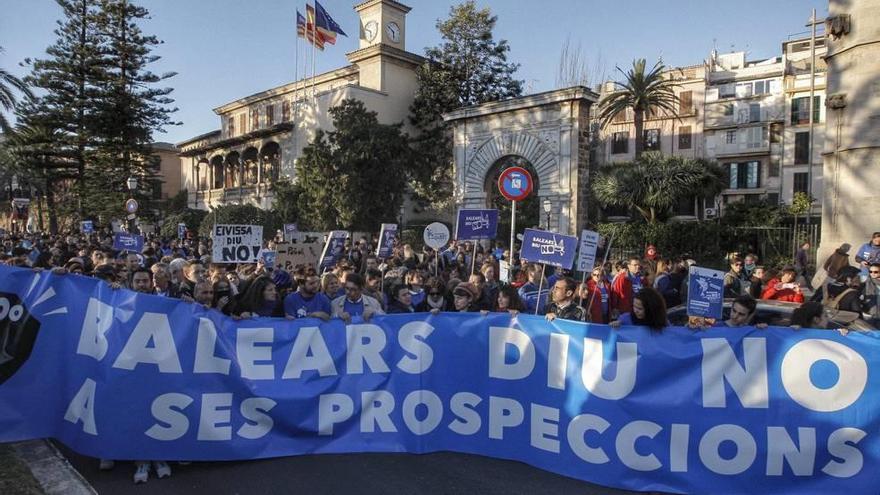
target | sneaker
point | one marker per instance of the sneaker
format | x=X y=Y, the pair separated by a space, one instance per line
x=142 y=472
x=106 y=464
x=163 y=470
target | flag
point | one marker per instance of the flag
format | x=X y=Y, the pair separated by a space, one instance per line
x=327 y=27
x=305 y=28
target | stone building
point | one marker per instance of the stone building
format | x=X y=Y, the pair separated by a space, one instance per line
x=262 y=135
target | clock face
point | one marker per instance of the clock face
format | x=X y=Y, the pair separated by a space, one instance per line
x=371 y=29
x=393 y=31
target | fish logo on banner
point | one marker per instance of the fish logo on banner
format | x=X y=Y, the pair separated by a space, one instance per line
x=128 y=242
x=476 y=225
x=550 y=248
x=705 y=293
x=333 y=249
x=237 y=243
x=386 y=240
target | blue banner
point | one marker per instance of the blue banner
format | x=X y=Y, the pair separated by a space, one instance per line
x=333 y=249
x=128 y=242
x=387 y=234
x=550 y=248
x=474 y=225
x=119 y=375
x=705 y=293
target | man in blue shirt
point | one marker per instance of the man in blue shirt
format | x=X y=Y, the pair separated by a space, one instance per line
x=308 y=301
x=869 y=253
x=355 y=303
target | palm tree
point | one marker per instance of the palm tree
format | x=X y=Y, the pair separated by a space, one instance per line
x=7 y=97
x=644 y=93
x=654 y=184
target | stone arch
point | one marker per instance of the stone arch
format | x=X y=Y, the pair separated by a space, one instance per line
x=217 y=172
x=250 y=166
x=233 y=170
x=270 y=161
x=515 y=143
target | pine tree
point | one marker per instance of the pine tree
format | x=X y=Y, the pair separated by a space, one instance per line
x=468 y=68
x=354 y=176
x=129 y=109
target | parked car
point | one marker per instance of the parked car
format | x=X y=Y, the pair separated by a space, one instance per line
x=778 y=314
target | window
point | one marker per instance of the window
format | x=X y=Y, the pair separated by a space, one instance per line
x=800 y=182
x=230 y=127
x=744 y=175
x=776 y=133
x=728 y=109
x=773 y=169
x=685 y=102
x=620 y=143
x=801 y=147
x=684 y=137
x=652 y=139
x=800 y=110
x=761 y=87
x=255 y=119
x=727 y=91
x=754 y=112
x=242 y=123
x=756 y=136
x=730 y=137
x=270 y=115
x=285 y=111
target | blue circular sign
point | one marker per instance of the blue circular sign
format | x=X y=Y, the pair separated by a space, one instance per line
x=515 y=183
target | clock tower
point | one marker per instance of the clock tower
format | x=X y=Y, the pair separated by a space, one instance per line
x=382 y=22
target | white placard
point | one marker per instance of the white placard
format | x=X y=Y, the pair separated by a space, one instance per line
x=237 y=243
x=587 y=250
x=436 y=235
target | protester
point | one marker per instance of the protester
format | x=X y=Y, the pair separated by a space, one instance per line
x=464 y=298
x=868 y=253
x=563 y=305
x=757 y=282
x=414 y=281
x=508 y=300
x=784 y=288
x=401 y=300
x=203 y=293
x=330 y=286
x=529 y=292
x=870 y=297
x=809 y=315
x=435 y=298
x=742 y=313
x=626 y=285
x=595 y=296
x=648 y=309
x=843 y=293
x=308 y=301
x=260 y=299
x=665 y=285
x=802 y=262
x=750 y=263
x=355 y=303
x=733 y=279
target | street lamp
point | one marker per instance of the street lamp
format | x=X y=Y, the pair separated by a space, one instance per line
x=547 y=207
x=132 y=218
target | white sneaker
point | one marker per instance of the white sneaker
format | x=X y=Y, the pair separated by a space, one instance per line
x=142 y=472
x=106 y=464
x=163 y=470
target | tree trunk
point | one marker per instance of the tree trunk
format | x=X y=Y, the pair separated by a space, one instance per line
x=639 y=122
x=50 y=206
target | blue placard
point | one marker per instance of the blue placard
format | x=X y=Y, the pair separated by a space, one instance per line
x=550 y=248
x=387 y=234
x=268 y=258
x=333 y=249
x=86 y=227
x=726 y=410
x=473 y=225
x=128 y=242
x=181 y=230
x=290 y=230
x=705 y=292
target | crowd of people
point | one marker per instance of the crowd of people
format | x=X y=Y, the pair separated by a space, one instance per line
x=460 y=278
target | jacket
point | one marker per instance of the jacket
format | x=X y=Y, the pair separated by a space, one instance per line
x=622 y=292
x=781 y=294
x=337 y=306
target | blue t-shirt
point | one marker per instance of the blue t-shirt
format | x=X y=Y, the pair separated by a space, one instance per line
x=637 y=283
x=604 y=293
x=354 y=308
x=529 y=295
x=417 y=297
x=298 y=306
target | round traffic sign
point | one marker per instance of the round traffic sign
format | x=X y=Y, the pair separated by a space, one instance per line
x=436 y=235
x=131 y=205
x=515 y=183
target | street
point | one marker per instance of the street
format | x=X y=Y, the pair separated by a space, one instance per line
x=365 y=474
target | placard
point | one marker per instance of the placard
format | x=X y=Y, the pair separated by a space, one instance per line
x=290 y=230
x=304 y=249
x=587 y=250
x=237 y=243
x=387 y=234
x=128 y=242
x=86 y=227
x=475 y=225
x=705 y=292
x=333 y=249
x=550 y=248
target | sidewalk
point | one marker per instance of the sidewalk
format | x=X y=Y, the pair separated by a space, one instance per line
x=36 y=467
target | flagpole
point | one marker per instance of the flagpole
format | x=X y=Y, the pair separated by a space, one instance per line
x=295 y=87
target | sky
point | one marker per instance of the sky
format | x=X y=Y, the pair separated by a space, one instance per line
x=223 y=50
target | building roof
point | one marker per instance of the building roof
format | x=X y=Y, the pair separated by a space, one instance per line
x=522 y=102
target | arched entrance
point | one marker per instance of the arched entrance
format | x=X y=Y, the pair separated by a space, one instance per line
x=528 y=211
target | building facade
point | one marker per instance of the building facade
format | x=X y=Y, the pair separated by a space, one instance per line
x=261 y=136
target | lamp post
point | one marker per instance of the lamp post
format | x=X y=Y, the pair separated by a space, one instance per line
x=547 y=207
x=132 y=216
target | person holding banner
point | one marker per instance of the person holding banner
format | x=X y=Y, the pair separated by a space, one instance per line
x=563 y=305
x=308 y=301
x=330 y=286
x=464 y=298
x=401 y=300
x=435 y=299
x=648 y=309
x=261 y=299
x=508 y=300
x=355 y=303
x=414 y=281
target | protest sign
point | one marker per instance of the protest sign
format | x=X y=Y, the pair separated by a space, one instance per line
x=181 y=230
x=304 y=249
x=705 y=292
x=86 y=227
x=549 y=248
x=473 y=225
x=387 y=234
x=237 y=243
x=290 y=230
x=128 y=242
x=436 y=235
x=146 y=377
x=268 y=256
x=504 y=271
x=333 y=249
x=587 y=250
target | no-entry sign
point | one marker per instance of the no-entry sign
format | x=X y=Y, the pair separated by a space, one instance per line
x=515 y=183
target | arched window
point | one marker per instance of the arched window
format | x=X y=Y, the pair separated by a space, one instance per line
x=251 y=164
x=270 y=157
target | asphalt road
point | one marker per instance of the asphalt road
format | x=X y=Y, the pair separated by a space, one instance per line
x=362 y=474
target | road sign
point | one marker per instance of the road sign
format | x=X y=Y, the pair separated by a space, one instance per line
x=131 y=205
x=515 y=183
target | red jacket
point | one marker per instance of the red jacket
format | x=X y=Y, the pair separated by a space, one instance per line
x=595 y=294
x=622 y=292
x=789 y=295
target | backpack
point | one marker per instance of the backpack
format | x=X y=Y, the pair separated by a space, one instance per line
x=835 y=302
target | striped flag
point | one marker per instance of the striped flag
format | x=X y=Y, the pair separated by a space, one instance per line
x=305 y=28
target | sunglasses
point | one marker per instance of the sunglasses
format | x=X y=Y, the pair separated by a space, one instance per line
x=874 y=271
